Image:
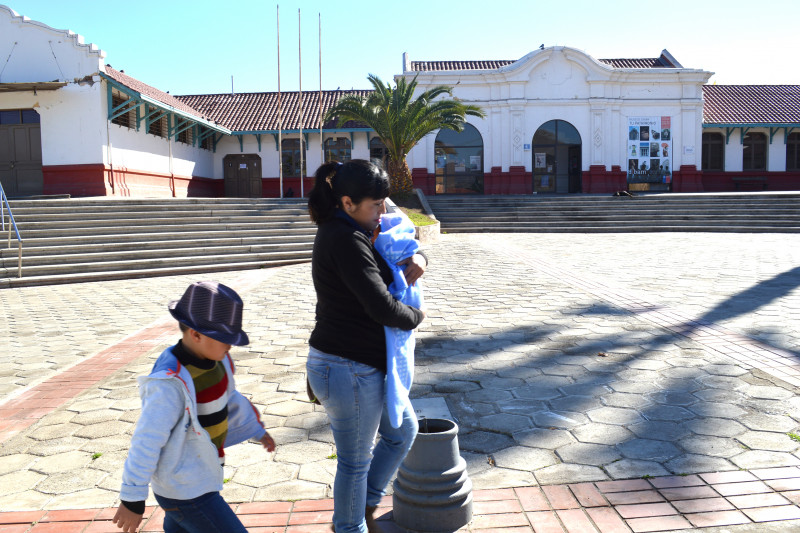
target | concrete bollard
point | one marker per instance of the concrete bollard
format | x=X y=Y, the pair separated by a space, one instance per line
x=432 y=492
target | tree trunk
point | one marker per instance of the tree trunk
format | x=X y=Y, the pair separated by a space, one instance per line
x=400 y=178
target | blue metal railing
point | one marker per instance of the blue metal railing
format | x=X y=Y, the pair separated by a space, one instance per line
x=11 y=223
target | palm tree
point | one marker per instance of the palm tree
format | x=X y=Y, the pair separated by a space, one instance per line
x=401 y=122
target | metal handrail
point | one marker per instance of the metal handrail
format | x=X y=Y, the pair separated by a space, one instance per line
x=11 y=223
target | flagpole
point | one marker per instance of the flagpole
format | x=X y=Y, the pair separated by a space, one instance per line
x=321 y=144
x=280 y=110
x=300 y=94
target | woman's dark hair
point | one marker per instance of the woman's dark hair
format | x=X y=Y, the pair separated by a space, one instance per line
x=357 y=179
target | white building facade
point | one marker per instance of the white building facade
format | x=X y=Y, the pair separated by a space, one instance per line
x=594 y=102
x=557 y=121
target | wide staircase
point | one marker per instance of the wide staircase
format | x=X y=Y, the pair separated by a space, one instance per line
x=734 y=212
x=90 y=239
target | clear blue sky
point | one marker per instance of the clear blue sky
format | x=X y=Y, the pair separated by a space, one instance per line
x=193 y=47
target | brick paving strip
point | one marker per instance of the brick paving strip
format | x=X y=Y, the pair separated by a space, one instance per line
x=20 y=412
x=747 y=352
x=636 y=505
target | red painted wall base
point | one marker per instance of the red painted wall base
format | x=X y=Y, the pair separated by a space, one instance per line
x=102 y=180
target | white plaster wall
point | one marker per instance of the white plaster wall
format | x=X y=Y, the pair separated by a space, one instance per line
x=72 y=123
x=36 y=52
x=776 y=152
x=733 y=152
x=270 y=158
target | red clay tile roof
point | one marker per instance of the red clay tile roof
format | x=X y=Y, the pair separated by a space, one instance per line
x=152 y=92
x=259 y=111
x=751 y=104
x=429 y=66
x=647 y=62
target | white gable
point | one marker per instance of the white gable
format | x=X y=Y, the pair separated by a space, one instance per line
x=31 y=51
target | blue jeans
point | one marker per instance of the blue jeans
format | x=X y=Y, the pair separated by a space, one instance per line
x=208 y=513
x=353 y=396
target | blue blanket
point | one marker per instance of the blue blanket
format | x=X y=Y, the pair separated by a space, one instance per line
x=395 y=243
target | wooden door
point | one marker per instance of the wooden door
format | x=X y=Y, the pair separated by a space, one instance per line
x=20 y=158
x=242 y=173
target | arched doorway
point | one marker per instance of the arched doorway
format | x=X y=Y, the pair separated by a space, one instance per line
x=459 y=161
x=557 y=158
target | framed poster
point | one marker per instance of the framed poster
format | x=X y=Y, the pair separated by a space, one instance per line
x=649 y=153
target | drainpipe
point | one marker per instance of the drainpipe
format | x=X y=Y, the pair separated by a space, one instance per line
x=110 y=157
x=171 y=173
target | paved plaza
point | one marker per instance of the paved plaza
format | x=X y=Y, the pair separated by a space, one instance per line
x=626 y=364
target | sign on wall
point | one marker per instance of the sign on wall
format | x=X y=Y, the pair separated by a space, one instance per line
x=649 y=153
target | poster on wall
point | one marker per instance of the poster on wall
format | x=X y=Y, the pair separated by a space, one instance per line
x=649 y=153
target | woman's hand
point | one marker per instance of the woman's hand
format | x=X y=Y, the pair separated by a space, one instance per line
x=126 y=519
x=415 y=268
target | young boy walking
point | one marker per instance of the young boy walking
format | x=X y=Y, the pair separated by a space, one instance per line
x=191 y=411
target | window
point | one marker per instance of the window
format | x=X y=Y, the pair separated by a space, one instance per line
x=378 y=152
x=124 y=119
x=713 y=155
x=290 y=158
x=459 y=161
x=184 y=136
x=19 y=116
x=337 y=149
x=159 y=126
x=793 y=152
x=754 y=152
x=206 y=142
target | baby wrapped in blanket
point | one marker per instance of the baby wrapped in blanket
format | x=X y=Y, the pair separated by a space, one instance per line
x=395 y=243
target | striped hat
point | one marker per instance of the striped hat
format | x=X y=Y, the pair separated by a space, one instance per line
x=212 y=309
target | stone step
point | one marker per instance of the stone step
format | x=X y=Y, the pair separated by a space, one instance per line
x=78 y=245
x=776 y=212
x=68 y=240
x=33 y=258
x=134 y=265
x=208 y=229
x=234 y=221
x=23 y=215
x=624 y=229
x=281 y=234
x=601 y=217
x=81 y=277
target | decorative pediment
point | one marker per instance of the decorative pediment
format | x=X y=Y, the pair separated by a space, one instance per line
x=35 y=52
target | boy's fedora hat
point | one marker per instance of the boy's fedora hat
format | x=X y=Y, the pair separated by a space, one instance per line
x=212 y=309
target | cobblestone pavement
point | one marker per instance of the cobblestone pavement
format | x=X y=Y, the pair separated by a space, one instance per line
x=565 y=359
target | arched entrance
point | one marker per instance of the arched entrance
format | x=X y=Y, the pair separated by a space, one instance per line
x=459 y=161
x=557 y=158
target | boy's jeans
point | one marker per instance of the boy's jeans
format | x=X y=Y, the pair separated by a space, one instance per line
x=353 y=396
x=208 y=513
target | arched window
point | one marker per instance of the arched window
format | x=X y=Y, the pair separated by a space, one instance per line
x=378 y=152
x=290 y=158
x=793 y=152
x=754 y=152
x=713 y=155
x=459 y=161
x=337 y=149
x=557 y=158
